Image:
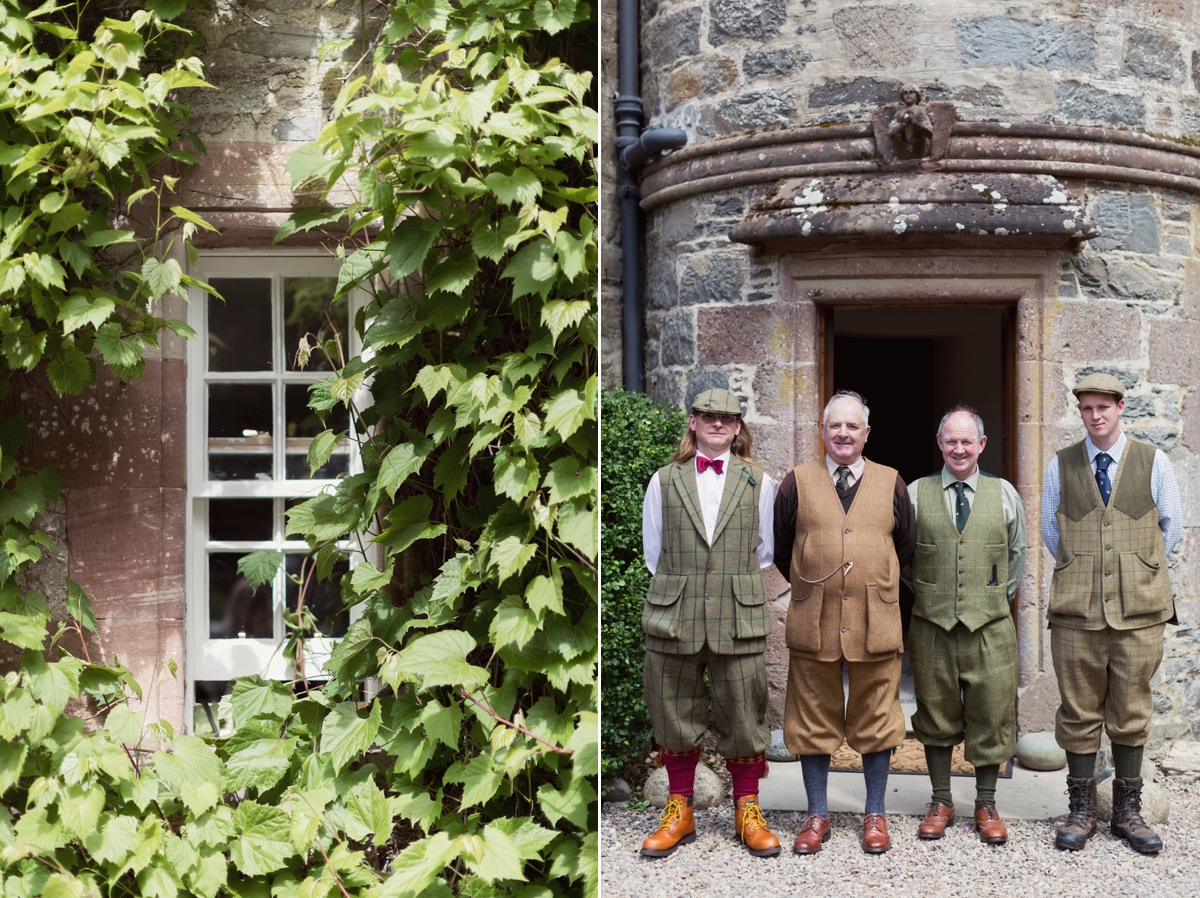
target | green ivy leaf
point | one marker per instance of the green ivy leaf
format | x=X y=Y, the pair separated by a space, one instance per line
x=577 y=525
x=254 y=698
x=453 y=272
x=192 y=763
x=436 y=659
x=258 y=763
x=522 y=186
x=498 y=857
x=585 y=742
x=570 y=803
x=70 y=371
x=115 y=841
x=569 y=478
x=481 y=779
x=161 y=278
x=321 y=448
x=410 y=244
x=416 y=867
x=345 y=735
x=367 y=578
x=263 y=844
x=443 y=723
x=533 y=269
x=513 y=623
x=560 y=314
x=80 y=310
x=566 y=413
x=368 y=814
x=401 y=462
x=259 y=568
x=80 y=809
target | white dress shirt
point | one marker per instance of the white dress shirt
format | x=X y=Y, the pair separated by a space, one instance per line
x=710 y=486
x=1163 y=490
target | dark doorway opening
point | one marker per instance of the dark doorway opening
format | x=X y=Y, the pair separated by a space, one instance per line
x=914 y=364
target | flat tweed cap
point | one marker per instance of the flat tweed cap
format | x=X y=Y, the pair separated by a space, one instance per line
x=720 y=402
x=1100 y=383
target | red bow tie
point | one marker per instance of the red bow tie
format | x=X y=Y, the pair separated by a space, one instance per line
x=703 y=464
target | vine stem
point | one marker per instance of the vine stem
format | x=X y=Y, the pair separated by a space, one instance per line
x=491 y=713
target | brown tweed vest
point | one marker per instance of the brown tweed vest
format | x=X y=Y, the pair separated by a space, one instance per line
x=1111 y=568
x=839 y=613
x=708 y=594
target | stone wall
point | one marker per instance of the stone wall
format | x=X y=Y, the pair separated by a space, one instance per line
x=722 y=314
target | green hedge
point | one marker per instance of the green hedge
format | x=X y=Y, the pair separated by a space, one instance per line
x=637 y=438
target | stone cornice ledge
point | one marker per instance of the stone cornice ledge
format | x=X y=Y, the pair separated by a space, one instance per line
x=1032 y=148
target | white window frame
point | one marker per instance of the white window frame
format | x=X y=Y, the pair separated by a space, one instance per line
x=224 y=659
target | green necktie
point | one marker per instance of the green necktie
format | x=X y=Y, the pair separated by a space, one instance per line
x=962 y=508
x=843 y=475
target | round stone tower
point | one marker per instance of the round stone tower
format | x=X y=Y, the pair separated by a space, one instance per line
x=935 y=202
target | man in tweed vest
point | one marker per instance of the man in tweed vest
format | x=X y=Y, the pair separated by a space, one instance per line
x=706 y=527
x=962 y=643
x=843 y=529
x=1110 y=516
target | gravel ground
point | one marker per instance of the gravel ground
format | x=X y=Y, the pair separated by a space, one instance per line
x=1028 y=866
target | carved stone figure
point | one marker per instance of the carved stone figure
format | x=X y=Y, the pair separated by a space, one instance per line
x=911 y=136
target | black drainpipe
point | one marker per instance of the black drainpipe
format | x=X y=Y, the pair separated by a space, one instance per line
x=636 y=148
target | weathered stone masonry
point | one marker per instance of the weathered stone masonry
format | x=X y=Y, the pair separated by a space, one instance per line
x=778 y=98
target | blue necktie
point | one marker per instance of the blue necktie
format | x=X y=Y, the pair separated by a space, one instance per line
x=962 y=508
x=1103 y=460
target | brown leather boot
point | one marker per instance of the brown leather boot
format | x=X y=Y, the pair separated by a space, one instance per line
x=1127 y=822
x=1080 y=824
x=937 y=818
x=752 y=828
x=990 y=827
x=676 y=827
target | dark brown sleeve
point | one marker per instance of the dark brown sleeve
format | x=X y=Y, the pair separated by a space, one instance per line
x=904 y=537
x=785 y=523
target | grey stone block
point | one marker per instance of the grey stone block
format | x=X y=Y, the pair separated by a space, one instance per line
x=1143 y=225
x=752 y=111
x=679 y=225
x=1162 y=437
x=859 y=92
x=984 y=95
x=679 y=338
x=1128 y=379
x=1196 y=68
x=675 y=36
x=1111 y=212
x=733 y=206
x=660 y=283
x=777 y=750
x=276 y=42
x=757 y=19
x=708 y=279
x=302 y=127
x=1026 y=44
x=869 y=34
x=1082 y=102
x=757 y=63
x=1149 y=54
x=701 y=379
x=1183 y=760
x=1138 y=407
x=1130 y=280
x=710 y=790
x=1039 y=751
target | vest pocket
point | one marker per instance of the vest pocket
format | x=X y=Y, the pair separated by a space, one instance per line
x=660 y=616
x=884 y=632
x=752 y=619
x=1142 y=589
x=1071 y=586
x=803 y=629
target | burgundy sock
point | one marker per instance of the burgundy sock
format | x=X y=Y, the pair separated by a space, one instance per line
x=746 y=772
x=681 y=771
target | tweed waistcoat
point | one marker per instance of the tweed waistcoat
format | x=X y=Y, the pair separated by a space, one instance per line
x=704 y=594
x=1111 y=567
x=838 y=613
x=960 y=577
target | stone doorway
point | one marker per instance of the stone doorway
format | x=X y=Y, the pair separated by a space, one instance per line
x=911 y=364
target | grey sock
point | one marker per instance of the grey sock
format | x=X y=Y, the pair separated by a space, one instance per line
x=816 y=782
x=875 y=771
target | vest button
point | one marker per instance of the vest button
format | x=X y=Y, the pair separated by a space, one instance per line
x=1108 y=573
x=1108 y=548
x=846 y=597
x=847 y=530
x=845 y=629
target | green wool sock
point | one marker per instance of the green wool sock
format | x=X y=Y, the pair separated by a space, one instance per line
x=1081 y=766
x=938 y=758
x=1127 y=759
x=985 y=784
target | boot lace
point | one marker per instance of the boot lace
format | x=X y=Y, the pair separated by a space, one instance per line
x=813 y=822
x=1132 y=812
x=1078 y=813
x=989 y=812
x=752 y=820
x=671 y=814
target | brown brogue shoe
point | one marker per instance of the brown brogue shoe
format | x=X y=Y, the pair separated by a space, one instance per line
x=676 y=827
x=752 y=829
x=1080 y=824
x=937 y=818
x=1127 y=822
x=990 y=827
x=813 y=834
x=875 y=835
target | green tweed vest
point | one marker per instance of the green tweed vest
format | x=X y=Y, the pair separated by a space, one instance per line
x=1111 y=567
x=704 y=594
x=960 y=577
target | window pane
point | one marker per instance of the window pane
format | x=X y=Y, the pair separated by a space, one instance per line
x=239 y=431
x=308 y=308
x=241 y=519
x=302 y=425
x=235 y=611
x=323 y=599
x=239 y=329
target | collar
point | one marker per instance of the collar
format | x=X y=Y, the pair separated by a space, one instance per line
x=1114 y=451
x=948 y=479
x=856 y=469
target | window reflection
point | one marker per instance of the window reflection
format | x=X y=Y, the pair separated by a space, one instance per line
x=241 y=519
x=239 y=329
x=323 y=599
x=239 y=431
x=308 y=308
x=302 y=425
x=235 y=611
